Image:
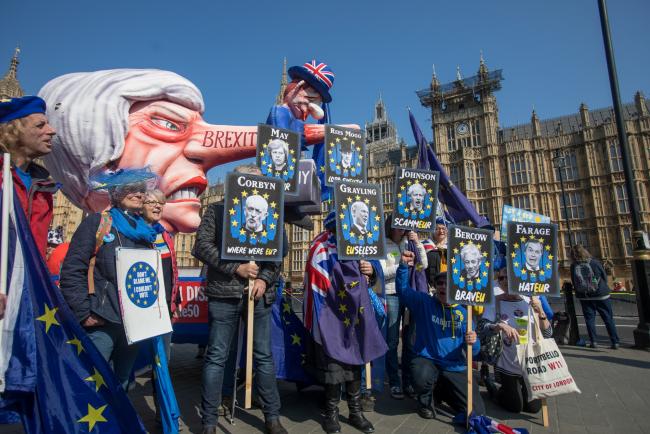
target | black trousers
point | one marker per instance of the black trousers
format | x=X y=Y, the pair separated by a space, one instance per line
x=447 y=386
x=513 y=395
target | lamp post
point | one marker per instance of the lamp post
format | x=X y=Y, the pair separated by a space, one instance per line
x=559 y=162
x=640 y=242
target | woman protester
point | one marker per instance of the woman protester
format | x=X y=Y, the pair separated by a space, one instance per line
x=396 y=242
x=590 y=285
x=89 y=272
x=513 y=316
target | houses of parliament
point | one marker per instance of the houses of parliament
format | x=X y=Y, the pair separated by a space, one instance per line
x=493 y=165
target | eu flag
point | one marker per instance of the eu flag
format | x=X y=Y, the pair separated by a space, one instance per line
x=54 y=378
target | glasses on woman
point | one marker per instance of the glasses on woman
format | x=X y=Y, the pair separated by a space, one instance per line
x=154 y=203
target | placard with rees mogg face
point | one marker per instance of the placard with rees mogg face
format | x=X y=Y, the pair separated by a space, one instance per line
x=345 y=150
x=416 y=204
x=469 y=272
x=277 y=155
x=532 y=259
x=253 y=218
x=359 y=221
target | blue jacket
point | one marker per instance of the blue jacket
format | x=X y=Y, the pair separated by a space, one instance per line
x=439 y=329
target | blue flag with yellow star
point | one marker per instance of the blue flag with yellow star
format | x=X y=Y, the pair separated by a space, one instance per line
x=54 y=379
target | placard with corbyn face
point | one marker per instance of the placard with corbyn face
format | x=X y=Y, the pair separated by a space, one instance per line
x=277 y=155
x=469 y=272
x=532 y=259
x=359 y=221
x=253 y=218
x=344 y=155
x=416 y=193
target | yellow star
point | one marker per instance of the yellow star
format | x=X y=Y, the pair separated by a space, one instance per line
x=453 y=260
x=329 y=152
x=272 y=204
x=272 y=226
x=485 y=254
x=541 y=273
x=242 y=232
x=322 y=168
x=354 y=283
x=286 y=307
x=262 y=153
x=361 y=309
x=265 y=195
x=357 y=197
x=235 y=223
x=550 y=257
x=455 y=270
x=342 y=216
x=231 y=211
x=532 y=275
x=403 y=187
x=94 y=415
x=344 y=206
x=515 y=245
x=341 y=294
x=235 y=201
x=264 y=233
x=344 y=226
x=98 y=379
x=430 y=191
x=523 y=271
x=548 y=266
x=338 y=167
x=253 y=236
x=548 y=247
x=343 y=308
x=462 y=279
x=408 y=182
x=516 y=264
x=346 y=321
x=522 y=239
x=373 y=208
x=77 y=343
x=244 y=193
x=512 y=255
x=377 y=218
x=375 y=228
x=462 y=243
x=487 y=264
x=295 y=339
x=349 y=199
x=477 y=281
x=485 y=274
x=366 y=200
x=255 y=191
x=455 y=251
x=369 y=236
x=48 y=318
x=276 y=215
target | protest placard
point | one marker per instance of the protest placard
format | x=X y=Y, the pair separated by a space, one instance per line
x=510 y=213
x=278 y=151
x=345 y=150
x=416 y=199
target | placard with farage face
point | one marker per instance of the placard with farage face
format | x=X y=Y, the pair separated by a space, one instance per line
x=277 y=155
x=416 y=204
x=359 y=221
x=345 y=151
x=253 y=218
x=532 y=259
x=469 y=271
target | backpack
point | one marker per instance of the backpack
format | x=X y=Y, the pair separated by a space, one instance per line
x=586 y=282
x=561 y=328
x=104 y=228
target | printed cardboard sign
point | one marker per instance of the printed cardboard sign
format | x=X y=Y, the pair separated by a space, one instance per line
x=532 y=259
x=141 y=290
x=359 y=221
x=469 y=273
x=194 y=302
x=345 y=150
x=416 y=199
x=253 y=218
x=277 y=155
x=510 y=213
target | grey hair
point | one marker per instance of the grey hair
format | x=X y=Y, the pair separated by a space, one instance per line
x=413 y=186
x=90 y=112
x=356 y=205
x=117 y=194
x=156 y=194
x=279 y=143
x=467 y=248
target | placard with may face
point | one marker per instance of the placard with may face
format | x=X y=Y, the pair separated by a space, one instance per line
x=359 y=221
x=345 y=149
x=277 y=155
x=416 y=194
x=532 y=259
x=253 y=218
x=469 y=272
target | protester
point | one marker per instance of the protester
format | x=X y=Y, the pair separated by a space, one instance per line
x=56 y=252
x=440 y=367
x=437 y=253
x=226 y=288
x=26 y=135
x=339 y=313
x=590 y=285
x=396 y=242
x=97 y=307
x=514 y=317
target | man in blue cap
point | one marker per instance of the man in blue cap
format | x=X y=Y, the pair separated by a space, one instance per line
x=26 y=135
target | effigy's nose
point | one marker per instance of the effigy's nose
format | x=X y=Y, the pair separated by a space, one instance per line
x=213 y=145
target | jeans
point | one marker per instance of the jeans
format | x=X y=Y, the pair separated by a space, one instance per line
x=448 y=386
x=110 y=340
x=392 y=339
x=604 y=308
x=223 y=317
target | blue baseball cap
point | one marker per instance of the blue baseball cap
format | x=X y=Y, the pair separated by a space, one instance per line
x=16 y=108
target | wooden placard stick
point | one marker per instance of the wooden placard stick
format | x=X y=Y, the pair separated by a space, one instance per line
x=368 y=377
x=248 y=397
x=470 y=403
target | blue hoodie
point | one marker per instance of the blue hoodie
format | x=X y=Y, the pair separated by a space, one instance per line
x=440 y=329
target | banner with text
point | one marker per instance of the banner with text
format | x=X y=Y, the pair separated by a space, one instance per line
x=345 y=150
x=510 y=213
x=277 y=155
x=417 y=195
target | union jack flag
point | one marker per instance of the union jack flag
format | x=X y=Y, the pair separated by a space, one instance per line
x=321 y=71
x=317 y=279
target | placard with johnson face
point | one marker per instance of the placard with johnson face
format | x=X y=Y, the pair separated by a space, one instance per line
x=469 y=268
x=253 y=218
x=532 y=259
x=277 y=155
x=345 y=150
x=359 y=221
x=416 y=193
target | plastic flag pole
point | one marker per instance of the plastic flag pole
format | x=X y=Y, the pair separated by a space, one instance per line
x=7 y=184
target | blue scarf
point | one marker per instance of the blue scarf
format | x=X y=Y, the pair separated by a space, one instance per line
x=142 y=230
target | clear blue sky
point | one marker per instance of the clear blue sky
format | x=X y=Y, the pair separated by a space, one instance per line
x=551 y=51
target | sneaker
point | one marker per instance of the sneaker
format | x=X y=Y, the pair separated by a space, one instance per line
x=593 y=345
x=367 y=403
x=614 y=346
x=396 y=392
x=426 y=412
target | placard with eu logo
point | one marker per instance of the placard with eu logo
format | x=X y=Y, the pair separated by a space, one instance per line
x=140 y=285
x=532 y=259
x=345 y=150
x=469 y=268
x=359 y=221
x=253 y=218
x=278 y=153
x=416 y=193
x=510 y=213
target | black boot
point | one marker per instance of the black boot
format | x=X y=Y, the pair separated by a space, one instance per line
x=356 y=418
x=332 y=397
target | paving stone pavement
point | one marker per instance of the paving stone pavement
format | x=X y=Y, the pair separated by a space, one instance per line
x=615 y=398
